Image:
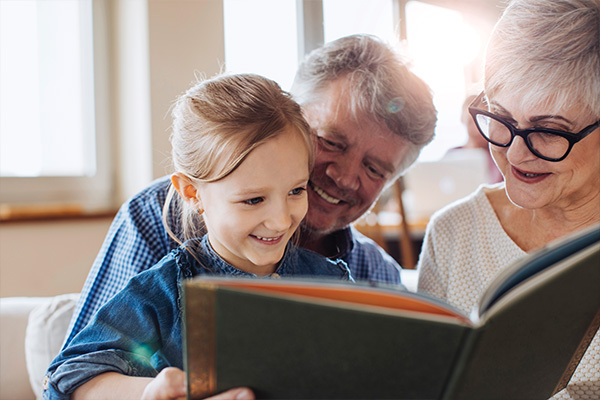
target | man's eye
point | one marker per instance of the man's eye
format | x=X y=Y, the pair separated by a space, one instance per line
x=253 y=201
x=374 y=171
x=297 y=191
x=329 y=145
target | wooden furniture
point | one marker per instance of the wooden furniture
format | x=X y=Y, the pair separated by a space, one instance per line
x=403 y=231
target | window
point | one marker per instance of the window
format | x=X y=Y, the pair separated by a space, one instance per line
x=261 y=36
x=54 y=105
x=442 y=45
x=52 y=138
x=347 y=17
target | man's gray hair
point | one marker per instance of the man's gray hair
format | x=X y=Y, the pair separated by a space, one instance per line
x=382 y=87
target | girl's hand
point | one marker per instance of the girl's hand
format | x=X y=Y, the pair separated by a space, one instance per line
x=242 y=393
x=169 y=384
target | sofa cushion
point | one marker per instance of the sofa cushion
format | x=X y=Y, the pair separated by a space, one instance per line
x=45 y=335
x=14 y=313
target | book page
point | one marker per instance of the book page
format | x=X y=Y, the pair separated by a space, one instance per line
x=532 y=283
x=354 y=294
x=535 y=262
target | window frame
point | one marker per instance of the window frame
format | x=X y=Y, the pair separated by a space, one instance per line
x=88 y=193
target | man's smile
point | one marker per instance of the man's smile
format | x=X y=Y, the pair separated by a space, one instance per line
x=323 y=195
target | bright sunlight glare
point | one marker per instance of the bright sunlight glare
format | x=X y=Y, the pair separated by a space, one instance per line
x=441 y=45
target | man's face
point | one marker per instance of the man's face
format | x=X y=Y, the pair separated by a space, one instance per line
x=353 y=161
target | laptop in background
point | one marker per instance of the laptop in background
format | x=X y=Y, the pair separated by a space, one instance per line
x=431 y=185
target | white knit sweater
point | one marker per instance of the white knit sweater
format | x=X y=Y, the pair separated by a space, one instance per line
x=464 y=249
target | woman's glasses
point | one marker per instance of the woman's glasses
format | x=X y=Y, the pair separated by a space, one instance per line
x=547 y=144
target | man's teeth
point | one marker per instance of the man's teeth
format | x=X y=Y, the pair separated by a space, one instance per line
x=528 y=175
x=325 y=196
x=267 y=239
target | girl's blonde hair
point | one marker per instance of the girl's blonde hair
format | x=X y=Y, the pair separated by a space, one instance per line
x=216 y=124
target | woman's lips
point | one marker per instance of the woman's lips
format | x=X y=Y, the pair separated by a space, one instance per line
x=529 y=177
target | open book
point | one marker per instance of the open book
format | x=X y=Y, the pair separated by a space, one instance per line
x=321 y=339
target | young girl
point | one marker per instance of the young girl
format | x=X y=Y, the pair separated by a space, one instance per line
x=242 y=155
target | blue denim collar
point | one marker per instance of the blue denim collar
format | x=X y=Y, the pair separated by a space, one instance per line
x=200 y=254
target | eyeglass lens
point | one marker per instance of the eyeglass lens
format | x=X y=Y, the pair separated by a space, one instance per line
x=545 y=144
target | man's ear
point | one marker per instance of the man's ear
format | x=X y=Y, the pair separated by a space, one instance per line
x=187 y=190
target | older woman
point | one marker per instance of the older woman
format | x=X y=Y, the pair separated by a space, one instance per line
x=540 y=112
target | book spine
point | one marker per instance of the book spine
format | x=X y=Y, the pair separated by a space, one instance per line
x=581 y=349
x=199 y=339
x=463 y=358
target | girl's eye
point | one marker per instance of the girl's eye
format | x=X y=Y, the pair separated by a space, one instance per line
x=297 y=191
x=253 y=201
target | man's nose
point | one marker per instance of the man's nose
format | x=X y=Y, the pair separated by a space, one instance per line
x=344 y=174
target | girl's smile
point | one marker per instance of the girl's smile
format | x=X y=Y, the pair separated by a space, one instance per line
x=252 y=213
x=268 y=241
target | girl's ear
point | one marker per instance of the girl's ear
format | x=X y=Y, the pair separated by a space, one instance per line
x=187 y=190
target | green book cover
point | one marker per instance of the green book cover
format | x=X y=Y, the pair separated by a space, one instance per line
x=319 y=339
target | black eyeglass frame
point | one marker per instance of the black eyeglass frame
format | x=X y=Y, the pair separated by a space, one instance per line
x=572 y=138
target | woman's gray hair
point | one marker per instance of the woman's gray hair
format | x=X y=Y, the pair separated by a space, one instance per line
x=547 y=51
x=382 y=87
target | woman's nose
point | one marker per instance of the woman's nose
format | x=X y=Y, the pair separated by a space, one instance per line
x=518 y=151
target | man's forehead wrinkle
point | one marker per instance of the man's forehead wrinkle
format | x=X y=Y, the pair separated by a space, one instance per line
x=342 y=95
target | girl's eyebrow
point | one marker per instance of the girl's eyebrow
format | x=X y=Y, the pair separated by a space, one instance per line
x=302 y=181
x=259 y=191
x=249 y=192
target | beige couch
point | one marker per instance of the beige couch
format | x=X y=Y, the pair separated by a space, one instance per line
x=32 y=330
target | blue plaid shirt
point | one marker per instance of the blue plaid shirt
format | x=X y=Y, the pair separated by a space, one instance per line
x=137 y=240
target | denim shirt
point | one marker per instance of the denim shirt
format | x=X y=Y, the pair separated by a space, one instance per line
x=138 y=332
x=137 y=240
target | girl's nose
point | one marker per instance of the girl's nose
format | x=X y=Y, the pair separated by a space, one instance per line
x=279 y=219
